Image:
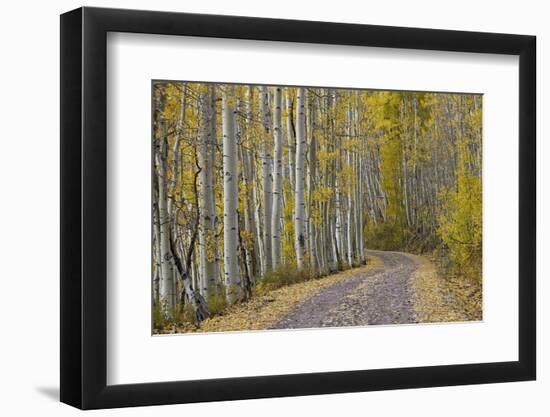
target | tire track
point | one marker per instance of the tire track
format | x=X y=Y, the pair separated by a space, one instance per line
x=379 y=296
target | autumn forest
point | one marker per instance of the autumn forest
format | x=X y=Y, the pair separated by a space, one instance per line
x=278 y=207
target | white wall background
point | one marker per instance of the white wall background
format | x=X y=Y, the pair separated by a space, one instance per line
x=29 y=225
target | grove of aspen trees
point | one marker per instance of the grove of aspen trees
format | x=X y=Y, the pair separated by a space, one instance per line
x=258 y=187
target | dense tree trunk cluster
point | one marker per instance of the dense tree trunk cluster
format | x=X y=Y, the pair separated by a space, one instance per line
x=308 y=177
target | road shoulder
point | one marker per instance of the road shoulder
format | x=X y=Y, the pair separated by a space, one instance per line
x=433 y=301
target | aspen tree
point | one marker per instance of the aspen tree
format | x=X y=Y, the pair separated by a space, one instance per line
x=267 y=179
x=277 y=178
x=166 y=285
x=291 y=138
x=299 y=198
x=207 y=245
x=230 y=198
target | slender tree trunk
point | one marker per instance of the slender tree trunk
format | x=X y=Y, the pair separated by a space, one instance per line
x=197 y=301
x=299 y=206
x=166 y=285
x=267 y=180
x=404 y=164
x=230 y=199
x=176 y=149
x=156 y=244
x=291 y=139
x=349 y=198
x=250 y=245
x=167 y=296
x=311 y=178
x=338 y=221
x=277 y=179
x=217 y=282
x=207 y=233
x=256 y=202
x=258 y=218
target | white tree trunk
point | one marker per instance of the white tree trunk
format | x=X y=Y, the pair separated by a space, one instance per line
x=176 y=149
x=230 y=198
x=258 y=216
x=267 y=180
x=291 y=140
x=350 y=199
x=405 y=165
x=338 y=222
x=277 y=179
x=299 y=206
x=311 y=179
x=349 y=231
x=256 y=204
x=167 y=295
x=247 y=163
x=360 y=200
x=207 y=245
x=157 y=252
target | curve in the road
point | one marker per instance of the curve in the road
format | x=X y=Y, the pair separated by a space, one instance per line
x=378 y=296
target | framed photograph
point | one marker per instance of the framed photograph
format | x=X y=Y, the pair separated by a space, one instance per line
x=257 y=208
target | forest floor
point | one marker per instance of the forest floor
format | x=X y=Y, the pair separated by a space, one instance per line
x=393 y=288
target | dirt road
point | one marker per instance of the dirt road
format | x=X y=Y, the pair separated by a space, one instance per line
x=379 y=296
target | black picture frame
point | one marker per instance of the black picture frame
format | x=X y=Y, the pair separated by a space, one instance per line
x=84 y=207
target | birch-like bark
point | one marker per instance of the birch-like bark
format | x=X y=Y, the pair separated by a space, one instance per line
x=195 y=298
x=350 y=202
x=338 y=219
x=207 y=233
x=267 y=180
x=176 y=148
x=311 y=178
x=258 y=217
x=404 y=164
x=167 y=295
x=249 y=223
x=256 y=201
x=166 y=286
x=277 y=179
x=247 y=163
x=156 y=243
x=359 y=189
x=230 y=198
x=299 y=200
x=213 y=144
x=291 y=139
